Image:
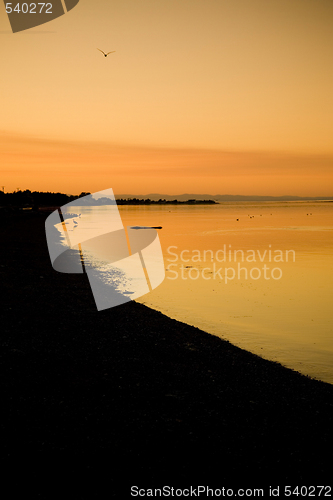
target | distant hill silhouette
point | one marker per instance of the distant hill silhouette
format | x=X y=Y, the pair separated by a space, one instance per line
x=223 y=197
x=36 y=199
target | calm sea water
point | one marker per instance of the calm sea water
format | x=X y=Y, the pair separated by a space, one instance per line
x=257 y=274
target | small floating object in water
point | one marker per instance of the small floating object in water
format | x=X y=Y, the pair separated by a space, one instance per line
x=146 y=227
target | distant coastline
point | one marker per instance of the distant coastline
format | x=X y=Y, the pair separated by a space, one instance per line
x=226 y=197
x=36 y=199
x=163 y=201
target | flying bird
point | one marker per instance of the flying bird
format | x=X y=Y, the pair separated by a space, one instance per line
x=105 y=55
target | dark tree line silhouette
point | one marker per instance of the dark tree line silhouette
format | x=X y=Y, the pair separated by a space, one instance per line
x=38 y=199
x=35 y=199
x=148 y=201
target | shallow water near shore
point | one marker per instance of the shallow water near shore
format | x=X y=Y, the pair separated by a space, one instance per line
x=263 y=282
x=257 y=274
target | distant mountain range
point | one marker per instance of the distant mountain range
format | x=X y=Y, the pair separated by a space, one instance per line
x=220 y=197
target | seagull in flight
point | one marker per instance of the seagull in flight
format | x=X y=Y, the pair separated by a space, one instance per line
x=105 y=55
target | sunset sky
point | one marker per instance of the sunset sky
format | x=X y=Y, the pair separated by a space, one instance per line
x=201 y=96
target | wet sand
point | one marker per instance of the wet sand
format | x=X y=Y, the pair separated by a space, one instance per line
x=94 y=402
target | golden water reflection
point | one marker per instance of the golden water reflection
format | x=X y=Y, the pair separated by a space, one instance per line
x=285 y=316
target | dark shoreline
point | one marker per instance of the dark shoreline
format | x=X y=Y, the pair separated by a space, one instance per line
x=128 y=396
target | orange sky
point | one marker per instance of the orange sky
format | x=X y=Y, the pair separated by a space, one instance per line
x=213 y=96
